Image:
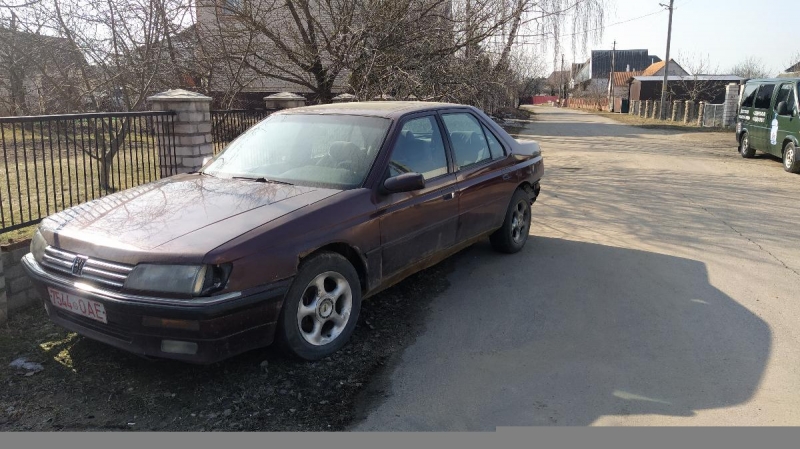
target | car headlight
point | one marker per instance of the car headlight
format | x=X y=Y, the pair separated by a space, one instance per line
x=38 y=244
x=195 y=280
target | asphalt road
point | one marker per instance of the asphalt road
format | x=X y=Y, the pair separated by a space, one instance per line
x=660 y=286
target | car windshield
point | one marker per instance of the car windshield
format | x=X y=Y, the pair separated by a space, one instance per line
x=334 y=151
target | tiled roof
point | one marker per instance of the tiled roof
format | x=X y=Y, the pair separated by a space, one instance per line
x=654 y=68
x=621 y=78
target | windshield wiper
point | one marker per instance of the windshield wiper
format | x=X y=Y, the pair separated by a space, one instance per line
x=262 y=179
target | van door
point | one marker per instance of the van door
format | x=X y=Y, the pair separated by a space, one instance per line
x=746 y=108
x=762 y=118
x=786 y=123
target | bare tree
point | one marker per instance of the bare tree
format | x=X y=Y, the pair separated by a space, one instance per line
x=696 y=86
x=750 y=67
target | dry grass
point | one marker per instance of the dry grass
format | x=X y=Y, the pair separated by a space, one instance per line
x=649 y=123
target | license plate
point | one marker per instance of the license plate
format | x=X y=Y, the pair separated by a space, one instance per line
x=81 y=306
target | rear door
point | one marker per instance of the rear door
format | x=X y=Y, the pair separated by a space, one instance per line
x=762 y=117
x=785 y=123
x=415 y=225
x=483 y=173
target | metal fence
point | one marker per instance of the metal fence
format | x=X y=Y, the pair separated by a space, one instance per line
x=54 y=162
x=227 y=125
x=712 y=115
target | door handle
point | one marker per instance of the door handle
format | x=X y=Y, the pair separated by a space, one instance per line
x=506 y=177
x=449 y=196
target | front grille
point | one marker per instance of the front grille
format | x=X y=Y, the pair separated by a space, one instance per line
x=95 y=271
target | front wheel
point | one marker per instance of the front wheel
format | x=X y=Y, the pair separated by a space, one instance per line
x=790 y=160
x=321 y=307
x=744 y=146
x=511 y=237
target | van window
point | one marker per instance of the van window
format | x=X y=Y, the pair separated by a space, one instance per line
x=749 y=95
x=764 y=96
x=786 y=93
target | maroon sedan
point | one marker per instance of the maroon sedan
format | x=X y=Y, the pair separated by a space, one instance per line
x=282 y=235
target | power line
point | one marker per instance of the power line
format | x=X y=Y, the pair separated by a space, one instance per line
x=598 y=28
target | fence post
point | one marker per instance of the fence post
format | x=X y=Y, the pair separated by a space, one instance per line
x=688 y=115
x=3 y=298
x=731 y=104
x=656 y=110
x=192 y=128
x=648 y=108
x=701 y=111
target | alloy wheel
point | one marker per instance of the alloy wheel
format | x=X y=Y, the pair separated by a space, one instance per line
x=324 y=309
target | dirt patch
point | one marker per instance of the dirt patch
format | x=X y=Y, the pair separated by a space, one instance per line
x=86 y=385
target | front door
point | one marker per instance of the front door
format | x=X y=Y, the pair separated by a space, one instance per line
x=786 y=122
x=418 y=224
x=484 y=174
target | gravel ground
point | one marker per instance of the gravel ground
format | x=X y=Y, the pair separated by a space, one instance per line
x=86 y=385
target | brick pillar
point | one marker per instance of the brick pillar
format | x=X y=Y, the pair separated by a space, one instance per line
x=688 y=115
x=284 y=100
x=192 y=131
x=731 y=104
x=648 y=108
x=701 y=109
x=656 y=110
x=675 y=105
x=3 y=298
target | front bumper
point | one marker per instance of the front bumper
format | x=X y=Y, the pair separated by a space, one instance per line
x=220 y=326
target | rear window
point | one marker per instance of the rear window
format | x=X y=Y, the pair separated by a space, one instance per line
x=764 y=96
x=749 y=95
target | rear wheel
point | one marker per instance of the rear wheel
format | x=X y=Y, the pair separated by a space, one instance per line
x=321 y=307
x=511 y=237
x=790 y=160
x=744 y=146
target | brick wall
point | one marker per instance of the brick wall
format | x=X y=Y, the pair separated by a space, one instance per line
x=17 y=290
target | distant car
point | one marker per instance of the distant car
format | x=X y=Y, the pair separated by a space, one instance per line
x=768 y=120
x=282 y=234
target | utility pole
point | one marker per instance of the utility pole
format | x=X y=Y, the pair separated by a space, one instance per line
x=610 y=93
x=563 y=88
x=666 y=63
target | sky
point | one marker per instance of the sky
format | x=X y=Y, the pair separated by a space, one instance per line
x=723 y=31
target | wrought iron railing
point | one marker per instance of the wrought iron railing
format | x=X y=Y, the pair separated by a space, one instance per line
x=227 y=125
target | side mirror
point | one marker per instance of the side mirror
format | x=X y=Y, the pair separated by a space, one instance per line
x=783 y=108
x=407 y=182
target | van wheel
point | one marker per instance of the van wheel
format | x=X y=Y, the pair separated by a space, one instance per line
x=511 y=237
x=790 y=161
x=744 y=146
x=321 y=307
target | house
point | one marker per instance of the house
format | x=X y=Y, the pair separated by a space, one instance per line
x=620 y=88
x=39 y=74
x=791 y=72
x=708 y=88
x=657 y=69
x=556 y=81
x=595 y=73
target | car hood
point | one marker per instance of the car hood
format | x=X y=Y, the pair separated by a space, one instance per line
x=184 y=215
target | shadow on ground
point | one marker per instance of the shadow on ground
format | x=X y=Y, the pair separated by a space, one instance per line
x=567 y=332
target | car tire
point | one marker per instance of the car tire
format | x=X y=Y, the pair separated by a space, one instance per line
x=321 y=308
x=791 y=162
x=511 y=237
x=744 y=146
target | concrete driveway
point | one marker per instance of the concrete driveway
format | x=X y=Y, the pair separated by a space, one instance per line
x=660 y=286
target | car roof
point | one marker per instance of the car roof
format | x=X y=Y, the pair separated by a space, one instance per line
x=386 y=109
x=772 y=80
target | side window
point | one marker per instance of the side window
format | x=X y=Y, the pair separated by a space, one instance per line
x=764 y=96
x=466 y=135
x=420 y=149
x=786 y=93
x=494 y=145
x=749 y=95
